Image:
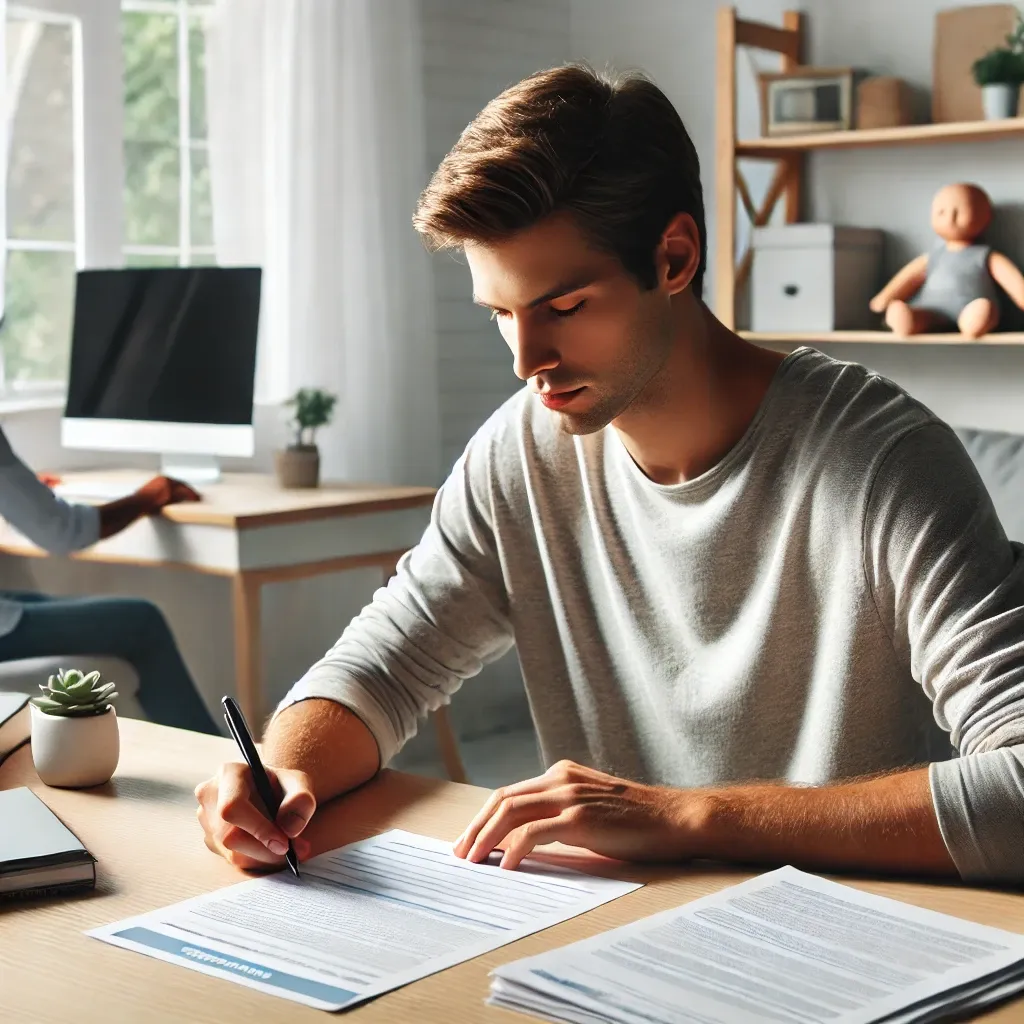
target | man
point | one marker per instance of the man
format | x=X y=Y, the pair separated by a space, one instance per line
x=37 y=625
x=752 y=596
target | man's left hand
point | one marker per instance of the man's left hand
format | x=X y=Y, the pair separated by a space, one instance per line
x=579 y=806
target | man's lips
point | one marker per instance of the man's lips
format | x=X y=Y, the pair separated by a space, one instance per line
x=560 y=399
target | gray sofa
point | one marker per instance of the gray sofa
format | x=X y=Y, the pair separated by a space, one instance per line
x=1000 y=461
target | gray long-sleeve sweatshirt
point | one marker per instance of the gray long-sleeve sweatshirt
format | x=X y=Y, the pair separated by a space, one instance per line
x=835 y=597
x=37 y=513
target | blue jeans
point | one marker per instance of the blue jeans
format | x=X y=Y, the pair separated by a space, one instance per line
x=122 y=627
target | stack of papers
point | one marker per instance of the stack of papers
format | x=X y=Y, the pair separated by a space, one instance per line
x=361 y=920
x=785 y=947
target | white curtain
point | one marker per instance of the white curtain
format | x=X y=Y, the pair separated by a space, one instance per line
x=317 y=156
x=8 y=116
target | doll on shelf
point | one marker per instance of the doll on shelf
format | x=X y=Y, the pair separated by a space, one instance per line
x=955 y=284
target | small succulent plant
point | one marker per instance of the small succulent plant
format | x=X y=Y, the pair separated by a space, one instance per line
x=72 y=694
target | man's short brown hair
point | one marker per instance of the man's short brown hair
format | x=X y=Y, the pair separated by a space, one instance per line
x=610 y=151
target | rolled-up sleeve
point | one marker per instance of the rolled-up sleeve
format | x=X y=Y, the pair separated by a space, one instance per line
x=949 y=587
x=37 y=513
x=437 y=622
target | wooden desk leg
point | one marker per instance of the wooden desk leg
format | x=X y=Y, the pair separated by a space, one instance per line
x=449 y=745
x=443 y=729
x=248 y=650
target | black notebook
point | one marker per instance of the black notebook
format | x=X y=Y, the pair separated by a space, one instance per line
x=14 y=721
x=39 y=854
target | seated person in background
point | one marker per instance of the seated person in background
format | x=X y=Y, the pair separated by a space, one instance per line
x=754 y=597
x=35 y=625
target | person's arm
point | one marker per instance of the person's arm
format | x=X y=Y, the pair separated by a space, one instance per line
x=300 y=753
x=61 y=527
x=949 y=589
x=148 y=500
x=883 y=824
x=436 y=623
x=37 y=513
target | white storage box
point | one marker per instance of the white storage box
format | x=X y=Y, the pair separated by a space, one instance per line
x=815 y=277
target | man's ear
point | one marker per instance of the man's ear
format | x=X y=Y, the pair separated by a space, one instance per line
x=677 y=256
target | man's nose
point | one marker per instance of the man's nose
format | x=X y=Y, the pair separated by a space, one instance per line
x=532 y=351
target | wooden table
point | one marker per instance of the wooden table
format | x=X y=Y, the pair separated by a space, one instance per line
x=142 y=828
x=249 y=529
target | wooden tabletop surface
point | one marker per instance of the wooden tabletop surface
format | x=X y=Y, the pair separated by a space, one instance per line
x=141 y=826
x=245 y=500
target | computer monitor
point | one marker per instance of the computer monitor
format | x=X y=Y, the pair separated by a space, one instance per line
x=163 y=360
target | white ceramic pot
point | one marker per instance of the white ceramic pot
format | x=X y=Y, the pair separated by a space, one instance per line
x=999 y=100
x=75 y=752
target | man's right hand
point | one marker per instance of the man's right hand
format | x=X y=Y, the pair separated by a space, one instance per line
x=234 y=825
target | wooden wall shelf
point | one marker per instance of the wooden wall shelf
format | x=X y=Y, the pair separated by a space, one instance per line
x=787 y=184
x=908 y=135
x=879 y=338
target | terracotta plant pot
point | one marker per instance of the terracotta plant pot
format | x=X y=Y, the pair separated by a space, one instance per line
x=75 y=752
x=298 y=466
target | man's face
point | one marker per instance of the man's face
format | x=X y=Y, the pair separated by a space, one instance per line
x=581 y=330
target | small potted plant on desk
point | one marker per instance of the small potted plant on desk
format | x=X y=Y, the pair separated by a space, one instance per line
x=1000 y=73
x=75 y=742
x=299 y=464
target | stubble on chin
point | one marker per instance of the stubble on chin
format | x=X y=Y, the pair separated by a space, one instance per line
x=589 y=422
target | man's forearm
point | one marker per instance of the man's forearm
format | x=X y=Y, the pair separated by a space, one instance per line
x=326 y=741
x=886 y=823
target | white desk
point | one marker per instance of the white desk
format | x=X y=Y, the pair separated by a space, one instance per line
x=249 y=529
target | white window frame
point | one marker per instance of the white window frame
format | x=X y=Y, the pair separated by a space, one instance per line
x=185 y=13
x=15 y=393
x=98 y=117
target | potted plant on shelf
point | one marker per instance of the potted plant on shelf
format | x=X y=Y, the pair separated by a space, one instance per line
x=75 y=742
x=299 y=464
x=1000 y=73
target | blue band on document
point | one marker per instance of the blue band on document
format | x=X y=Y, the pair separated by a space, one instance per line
x=233 y=965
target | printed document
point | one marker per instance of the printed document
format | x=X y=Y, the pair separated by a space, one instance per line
x=361 y=920
x=785 y=947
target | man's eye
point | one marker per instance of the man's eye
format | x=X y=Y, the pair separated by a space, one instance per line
x=571 y=311
x=499 y=314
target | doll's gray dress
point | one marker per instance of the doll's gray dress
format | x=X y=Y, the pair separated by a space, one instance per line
x=954 y=278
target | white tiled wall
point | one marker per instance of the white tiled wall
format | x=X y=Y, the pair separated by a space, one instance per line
x=472 y=51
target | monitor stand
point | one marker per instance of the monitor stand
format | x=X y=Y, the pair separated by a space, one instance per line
x=197 y=470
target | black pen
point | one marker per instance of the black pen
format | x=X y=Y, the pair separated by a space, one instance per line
x=237 y=727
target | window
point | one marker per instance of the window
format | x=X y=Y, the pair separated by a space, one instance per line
x=44 y=178
x=57 y=219
x=168 y=214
